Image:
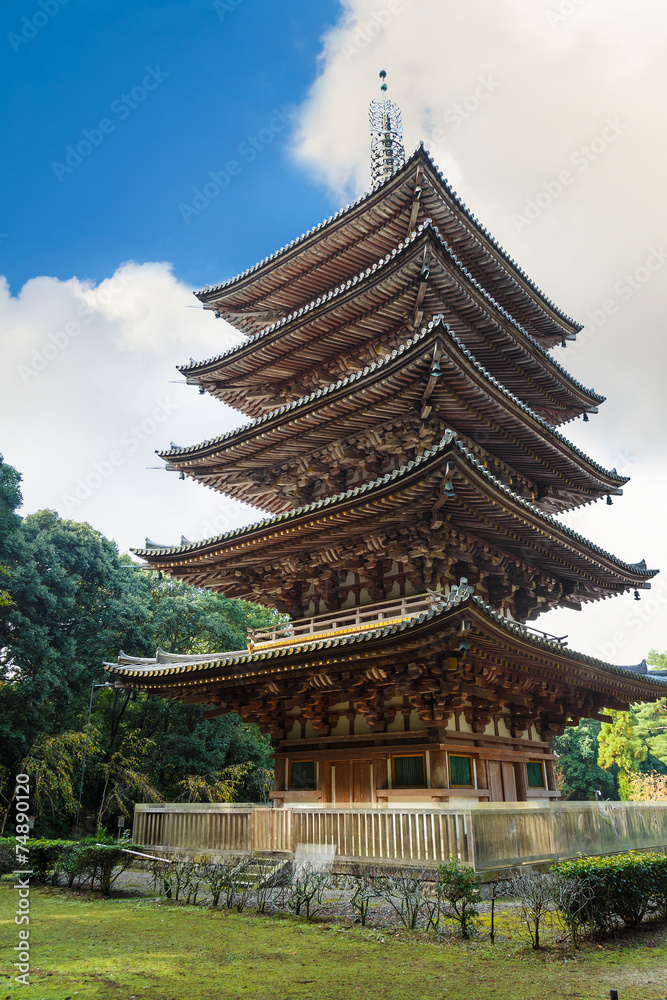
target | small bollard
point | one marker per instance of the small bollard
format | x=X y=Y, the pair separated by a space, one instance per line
x=613 y=994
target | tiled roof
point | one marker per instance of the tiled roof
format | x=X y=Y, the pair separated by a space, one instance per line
x=448 y=441
x=476 y=225
x=165 y=664
x=426 y=227
x=376 y=367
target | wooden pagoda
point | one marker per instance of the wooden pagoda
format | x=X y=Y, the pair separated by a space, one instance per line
x=404 y=436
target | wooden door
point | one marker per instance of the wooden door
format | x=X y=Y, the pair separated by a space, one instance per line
x=509 y=781
x=351 y=781
x=340 y=781
x=361 y=781
x=495 y=780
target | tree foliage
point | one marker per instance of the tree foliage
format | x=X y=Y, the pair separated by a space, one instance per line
x=70 y=602
x=577 y=764
x=651 y=787
x=619 y=744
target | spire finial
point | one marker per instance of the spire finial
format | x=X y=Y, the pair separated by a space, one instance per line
x=387 y=151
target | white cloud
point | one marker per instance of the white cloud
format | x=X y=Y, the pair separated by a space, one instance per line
x=88 y=391
x=508 y=94
x=506 y=97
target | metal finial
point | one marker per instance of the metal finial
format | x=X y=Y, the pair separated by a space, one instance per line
x=387 y=150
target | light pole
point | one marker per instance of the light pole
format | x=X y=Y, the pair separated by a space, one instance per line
x=106 y=684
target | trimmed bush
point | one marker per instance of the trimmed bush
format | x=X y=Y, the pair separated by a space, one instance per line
x=621 y=888
x=84 y=860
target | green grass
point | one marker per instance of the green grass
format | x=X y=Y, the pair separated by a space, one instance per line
x=92 y=949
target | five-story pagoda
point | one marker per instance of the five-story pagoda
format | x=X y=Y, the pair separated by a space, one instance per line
x=404 y=438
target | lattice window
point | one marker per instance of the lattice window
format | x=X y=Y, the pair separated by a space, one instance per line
x=460 y=770
x=409 y=771
x=302 y=774
x=535 y=770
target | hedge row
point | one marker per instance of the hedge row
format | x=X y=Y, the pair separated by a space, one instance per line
x=82 y=862
x=620 y=888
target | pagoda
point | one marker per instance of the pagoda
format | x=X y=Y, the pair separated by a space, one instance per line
x=404 y=435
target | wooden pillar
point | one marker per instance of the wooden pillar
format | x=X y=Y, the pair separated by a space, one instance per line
x=521 y=780
x=380 y=773
x=279 y=775
x=551 y=777
x=325 y=781
x=482 y=777
x=439 y=775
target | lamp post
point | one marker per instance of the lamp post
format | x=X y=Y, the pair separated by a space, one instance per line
x=106 y=684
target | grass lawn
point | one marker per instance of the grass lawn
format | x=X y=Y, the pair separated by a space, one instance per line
x=89 y=948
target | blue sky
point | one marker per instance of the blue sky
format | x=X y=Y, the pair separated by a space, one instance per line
x=100 y=257
x=218 y=73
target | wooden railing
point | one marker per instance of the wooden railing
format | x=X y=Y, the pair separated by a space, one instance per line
x=368 y=616
x=497 y=836
x=407 y=835
x=411 y=836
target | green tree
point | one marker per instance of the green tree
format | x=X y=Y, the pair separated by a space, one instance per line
x=620 y=745
x=657 y=660
x=10 y=522
x=72 y=603
x=650 y=726
x=577 y=763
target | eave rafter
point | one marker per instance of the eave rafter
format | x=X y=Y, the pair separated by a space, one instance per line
x=240 y=563
x=378 y=309
x=364 y=231
x=386 y=415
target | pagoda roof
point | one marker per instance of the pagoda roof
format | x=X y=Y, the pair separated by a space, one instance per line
x=465 y=395
x=490 y=636
x=482 y=507
x=371 y=225
x=373 y=305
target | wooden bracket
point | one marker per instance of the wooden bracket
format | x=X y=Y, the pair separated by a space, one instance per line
x=418 y=312
x=416 y=197
x=438 y=351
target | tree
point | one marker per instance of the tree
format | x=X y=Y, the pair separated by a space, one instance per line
x=577 y=763
x=72 y=602
x=10 y=522
x=54 y=763
x=657 y=660
x=221 y=786
x=650 y=726
x=651 y=787
x=620 y=745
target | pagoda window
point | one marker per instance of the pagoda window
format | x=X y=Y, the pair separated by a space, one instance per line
x=535 y=769
x=302 y=775
x=408 y=771
x=460 y=771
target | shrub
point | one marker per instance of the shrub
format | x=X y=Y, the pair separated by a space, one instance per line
x=404 y=890
x=218 y=877
x=362 y=889
x=101 y=863
x=457 y=889
x=621 y=887
x=87 y=860
x=7 y=855
x=305 y=889
x=537 y=896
